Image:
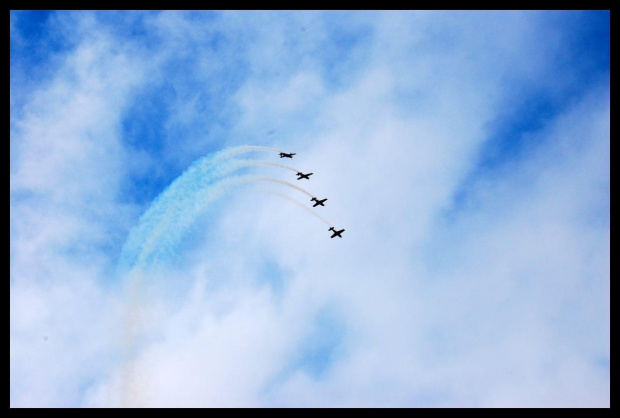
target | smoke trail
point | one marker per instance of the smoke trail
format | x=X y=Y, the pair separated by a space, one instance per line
x=168 y=234
x=158 y=233
x=286 y=183
x=231 y=152
x=180 y=194
x=162 y=229
x=179 y=198
x=196 y=177
x=246 y=148
x=131 y=385
x=298 y=203
x=223 y=168
x=251 y=162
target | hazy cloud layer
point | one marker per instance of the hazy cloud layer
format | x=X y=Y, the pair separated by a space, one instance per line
x=465 y=153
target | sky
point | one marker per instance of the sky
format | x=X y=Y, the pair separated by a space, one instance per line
x=465 y=153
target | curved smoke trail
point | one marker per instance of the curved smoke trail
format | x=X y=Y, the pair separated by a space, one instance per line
x=252 y=162
x=162 y=229
x=286 y=183
x=298 y=203
x=180 y=196
x=242 y=149
x=195 y=177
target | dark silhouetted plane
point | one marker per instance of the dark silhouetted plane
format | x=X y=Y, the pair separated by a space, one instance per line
x=284 y=154
x=318 y=202
x=336 y=233
x=304 y=176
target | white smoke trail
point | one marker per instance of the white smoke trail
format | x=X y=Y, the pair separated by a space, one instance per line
x=223 y=168
x=181 y=194
x=166 y=236
x=131 y=386
x=161 y=230
x=231 y=152
x=259 y=148
x=286 y=183
x=199 y=175
x=163 y=241
x=252 y=162
x=298 y=203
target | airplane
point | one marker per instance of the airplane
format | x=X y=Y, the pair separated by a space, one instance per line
x=304 y=176
x=336 y=233
x=318 y=202
x=284 y=154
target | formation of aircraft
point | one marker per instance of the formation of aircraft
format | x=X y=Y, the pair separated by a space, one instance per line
x=316 y=201
x=304 y=176
x=336 y=233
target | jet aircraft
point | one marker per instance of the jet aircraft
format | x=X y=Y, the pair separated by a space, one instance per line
x=336 y=233
x=318 y=202
x=304 y=176
x=285 y=155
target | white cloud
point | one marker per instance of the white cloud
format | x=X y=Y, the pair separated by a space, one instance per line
x=503 y=301
x=67 y=164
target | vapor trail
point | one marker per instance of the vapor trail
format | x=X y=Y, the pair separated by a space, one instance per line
x=159 y=232
x=180 y=195
x=165 y=237
x=252 y=162
x=222 y=168
x=163 y=227
x=286 y=183
x=298 y=203
x=231 y=152
x=130 y=389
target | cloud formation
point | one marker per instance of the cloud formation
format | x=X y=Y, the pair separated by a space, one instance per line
x=474 y=270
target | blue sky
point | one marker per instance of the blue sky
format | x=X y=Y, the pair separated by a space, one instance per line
x=465 y=153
